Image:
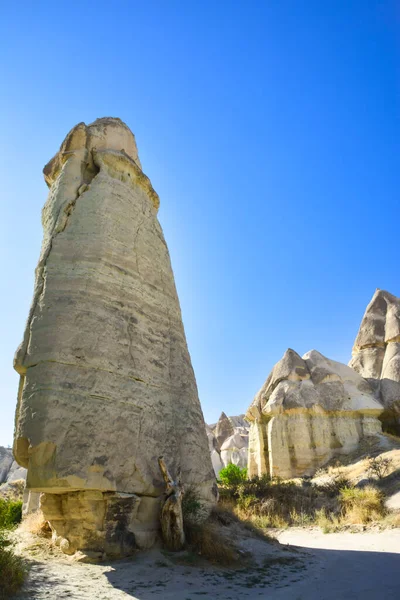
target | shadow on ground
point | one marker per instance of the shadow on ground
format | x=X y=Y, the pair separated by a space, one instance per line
x=295 y=574
x=314 y=575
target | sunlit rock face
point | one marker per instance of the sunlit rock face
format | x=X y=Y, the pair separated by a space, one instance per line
x=309 y=410
x=106 y=384
x=376 y=354
x=228 y=442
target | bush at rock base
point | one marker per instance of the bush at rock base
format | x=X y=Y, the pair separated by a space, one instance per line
x=232 y=475
x=10 y=513
x=12 y=568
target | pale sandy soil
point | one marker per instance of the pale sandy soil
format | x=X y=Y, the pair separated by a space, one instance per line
x=323 y=567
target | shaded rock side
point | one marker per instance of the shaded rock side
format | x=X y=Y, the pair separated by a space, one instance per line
x=376 y=354
x=106 y=381
x=9 y=469
x=309 y=410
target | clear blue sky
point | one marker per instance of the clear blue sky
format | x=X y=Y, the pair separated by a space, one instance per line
x=270 y=130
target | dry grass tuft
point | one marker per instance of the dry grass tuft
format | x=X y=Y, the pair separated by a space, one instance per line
x=212 y=542
x=329 y=523
x=393 y=520
x=35 y=523
x=217 y=538
x=362 y=505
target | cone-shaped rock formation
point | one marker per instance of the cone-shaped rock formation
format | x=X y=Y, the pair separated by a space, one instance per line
x=107 y=384
x=376 y=354
x=308 y=410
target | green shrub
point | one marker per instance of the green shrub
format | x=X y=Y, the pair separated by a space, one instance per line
x=232 y=475
x=12 y=569
x=10 y=513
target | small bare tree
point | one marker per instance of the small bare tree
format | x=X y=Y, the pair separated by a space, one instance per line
x=171 y=511
x=379 y=466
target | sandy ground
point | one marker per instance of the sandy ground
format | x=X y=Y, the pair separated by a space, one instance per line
x=350 y=565
x=322 y=567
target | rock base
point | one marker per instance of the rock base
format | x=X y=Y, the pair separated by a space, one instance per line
x=111 y=523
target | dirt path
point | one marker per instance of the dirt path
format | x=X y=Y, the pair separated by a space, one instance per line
x=350 y=565
x=325 y=567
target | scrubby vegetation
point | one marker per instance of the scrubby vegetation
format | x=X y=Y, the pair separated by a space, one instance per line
x=10 y=513
x=379 y=466
x=362 y=505
x=330 y=501
x=214 y=536
x=12 y=568
x=232 y=475
x=36 y=524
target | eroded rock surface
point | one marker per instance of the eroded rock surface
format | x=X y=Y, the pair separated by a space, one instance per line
x=376 y=354
x=308 y=410
x=9 y=469
x=106 y=382
x=228 y=442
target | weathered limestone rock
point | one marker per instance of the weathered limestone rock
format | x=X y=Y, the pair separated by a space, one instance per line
x=214 y=451
x=308 y=410
x=224 y=429
x=376 y=354
x=9 y=469
x=6 y=462
x=234 y=450
x=106 y=382
x=228 y=442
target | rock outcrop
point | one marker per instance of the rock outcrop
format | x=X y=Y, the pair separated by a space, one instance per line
x=308 y=410
x=228 y=442
x=376 y=354
x=106 y=384
x=9 y=469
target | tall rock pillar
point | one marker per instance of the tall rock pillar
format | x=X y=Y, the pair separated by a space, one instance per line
x=376 y=354
x=106 y=384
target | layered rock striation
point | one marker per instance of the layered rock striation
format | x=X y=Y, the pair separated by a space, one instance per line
x=309 y=410
x=106 y=381
x=376 y=354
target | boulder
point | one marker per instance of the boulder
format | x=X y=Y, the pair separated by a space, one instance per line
x=376 y=354
x=309 y=410
x=106 y=381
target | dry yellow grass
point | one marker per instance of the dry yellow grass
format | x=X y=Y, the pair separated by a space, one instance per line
x=362 y=505
x=36 y=524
